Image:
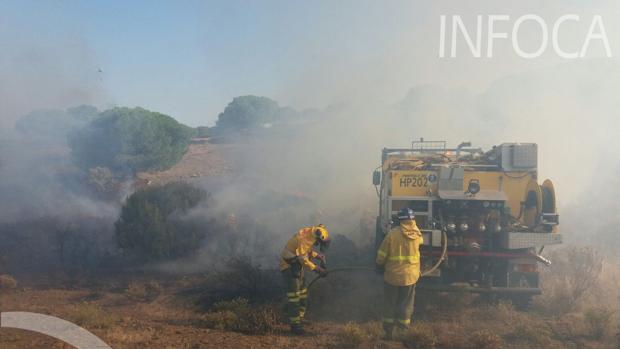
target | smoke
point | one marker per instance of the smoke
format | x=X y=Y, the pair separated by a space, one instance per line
x=41 y=193
x=384 y=89
x=391 y=88
x=328 y=159
x=45 y=69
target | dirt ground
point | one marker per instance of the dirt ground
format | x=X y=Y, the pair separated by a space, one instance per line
x=202 y=159
x=126 y=316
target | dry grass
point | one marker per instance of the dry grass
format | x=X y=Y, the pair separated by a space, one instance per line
x=352 y=335
x=452 y=321
x=138 y=338
x=237 y=315
x=419 y=336
x=90 y=316
x=143 y=291
x=220 y=320
x=484 y=339
x=574 y=274
x=598 y=321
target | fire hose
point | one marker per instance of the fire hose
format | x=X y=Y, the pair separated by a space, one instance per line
x=444 y=251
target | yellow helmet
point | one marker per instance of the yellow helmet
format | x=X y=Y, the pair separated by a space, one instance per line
x=322 y=236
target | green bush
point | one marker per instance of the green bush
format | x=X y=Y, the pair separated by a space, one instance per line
x=251 y=112
x=203 y=132
x=130 y=140
x=152 y=225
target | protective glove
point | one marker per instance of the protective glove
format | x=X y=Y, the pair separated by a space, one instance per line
x=321 y=271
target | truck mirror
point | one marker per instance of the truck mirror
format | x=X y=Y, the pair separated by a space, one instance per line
x=376 y=177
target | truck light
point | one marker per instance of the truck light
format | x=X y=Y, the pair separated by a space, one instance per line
x=474 y=186
x=526 y=268
x=451 y=227
x=464 y=226
x=482 y=228
x=498 y=228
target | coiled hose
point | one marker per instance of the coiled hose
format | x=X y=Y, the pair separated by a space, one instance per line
x=444 y=251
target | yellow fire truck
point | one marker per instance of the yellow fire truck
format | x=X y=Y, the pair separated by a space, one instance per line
x=484 y=215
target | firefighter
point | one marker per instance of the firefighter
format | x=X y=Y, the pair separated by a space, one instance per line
x=398 y=259
x=297 y=256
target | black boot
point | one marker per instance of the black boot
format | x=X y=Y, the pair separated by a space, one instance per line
x=388 y=332
x=297 y=330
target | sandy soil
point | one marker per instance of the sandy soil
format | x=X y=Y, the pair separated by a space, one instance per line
x=201 y=160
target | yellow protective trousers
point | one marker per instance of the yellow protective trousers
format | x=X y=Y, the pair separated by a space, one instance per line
x=398 y=304
x=296 y=294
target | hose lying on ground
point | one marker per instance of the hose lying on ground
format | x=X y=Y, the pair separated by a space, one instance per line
x=336 y=270
x=426 y=272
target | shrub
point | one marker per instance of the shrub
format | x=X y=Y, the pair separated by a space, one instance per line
x=81 y=246
x=351 y=336
x=220 y=320
x=574 y=273
x=419 y=336
x=237 y=315
x=536 y=335
x=7 y=282
x=244 y=278
x=247 y=112
x=237 y=305
x=130 y=140
x=251 y=112
x=261 y=320
x=143 y=291
x=153 y=225
x=484 y=339
x=598 y=321
x=203 y=132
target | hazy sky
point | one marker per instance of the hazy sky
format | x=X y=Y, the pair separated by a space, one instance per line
x=190 y=58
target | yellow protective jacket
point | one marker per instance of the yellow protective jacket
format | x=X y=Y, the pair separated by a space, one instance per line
x=299 y=247
x=399 y=254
